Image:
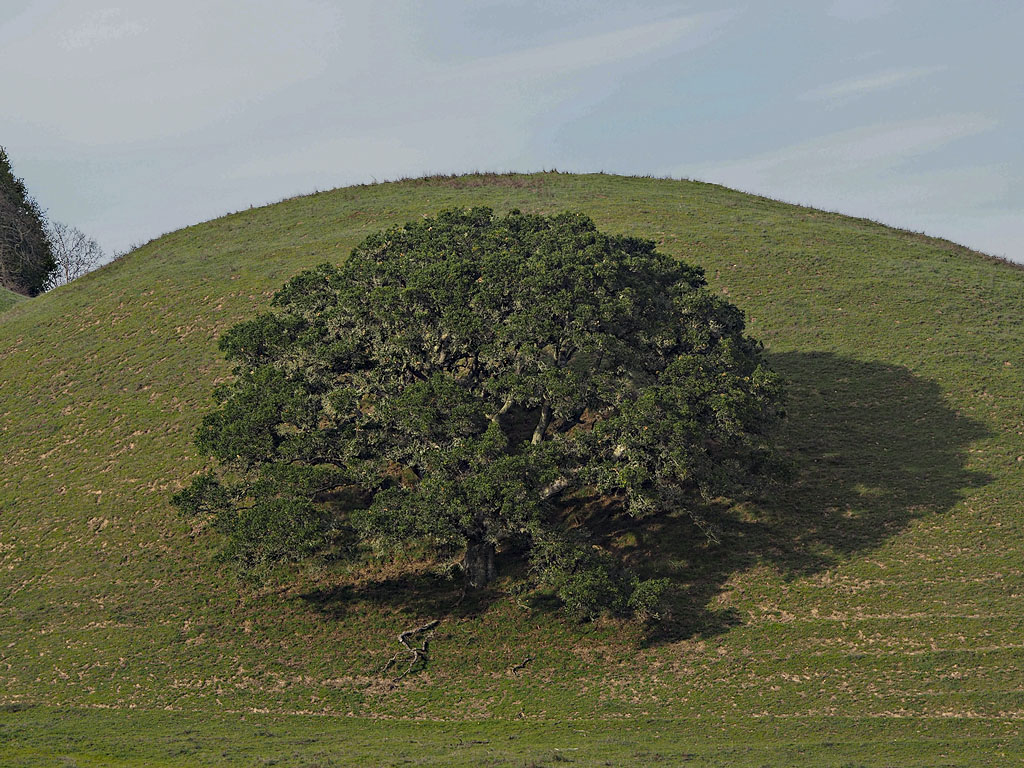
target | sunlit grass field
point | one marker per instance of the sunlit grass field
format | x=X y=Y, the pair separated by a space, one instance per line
x=869 y=614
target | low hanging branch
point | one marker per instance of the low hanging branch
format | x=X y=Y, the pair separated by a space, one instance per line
x=417 y=654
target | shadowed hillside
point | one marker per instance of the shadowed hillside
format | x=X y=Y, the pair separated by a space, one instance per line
x=883 y=584
x=875 y=449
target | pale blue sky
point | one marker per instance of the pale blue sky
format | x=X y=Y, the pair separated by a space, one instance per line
x=129 y=120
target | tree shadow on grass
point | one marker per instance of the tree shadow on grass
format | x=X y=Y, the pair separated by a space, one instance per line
x=874 y=446
x=423 y=595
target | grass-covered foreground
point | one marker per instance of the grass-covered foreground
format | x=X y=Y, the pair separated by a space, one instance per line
x=869 y=615
x=114 y=739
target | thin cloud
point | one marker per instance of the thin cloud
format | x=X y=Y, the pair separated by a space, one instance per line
x=107 y=26
x=162 y=73
x=861 y=86
x=362 y=156
x=477 y=110
x=594 y=50
x=860 y=10
x=835 y=156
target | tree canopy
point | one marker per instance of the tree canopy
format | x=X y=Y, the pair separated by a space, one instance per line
x=455 y=380
x=26 y=258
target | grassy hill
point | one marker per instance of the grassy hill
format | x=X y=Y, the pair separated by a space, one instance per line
x=871 y=614
x=8 y=298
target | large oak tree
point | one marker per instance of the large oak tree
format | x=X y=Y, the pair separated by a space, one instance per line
x=461 y=376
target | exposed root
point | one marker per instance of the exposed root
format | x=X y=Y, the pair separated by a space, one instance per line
x=515 y=670
x=421 y=654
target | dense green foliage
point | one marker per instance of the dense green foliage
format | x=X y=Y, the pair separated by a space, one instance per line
x=868 y=615
x=26 y=258
x=462 y=373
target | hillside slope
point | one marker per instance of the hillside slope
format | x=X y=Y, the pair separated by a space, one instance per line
x=885 y=584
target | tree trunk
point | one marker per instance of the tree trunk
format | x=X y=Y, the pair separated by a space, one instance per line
x=542 y=424
x=479 y=564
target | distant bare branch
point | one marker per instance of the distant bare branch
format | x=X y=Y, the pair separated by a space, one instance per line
x=75 y=253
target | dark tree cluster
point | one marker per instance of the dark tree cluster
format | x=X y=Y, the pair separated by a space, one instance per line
x=457 y=380
x=26 y=257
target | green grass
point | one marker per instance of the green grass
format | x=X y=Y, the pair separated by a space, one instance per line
x=8 y=298
x=868 y=615
x=109 y=739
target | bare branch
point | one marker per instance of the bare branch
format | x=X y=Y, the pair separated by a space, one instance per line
x=74 y=252
x=418 y=654
x=503 y=410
